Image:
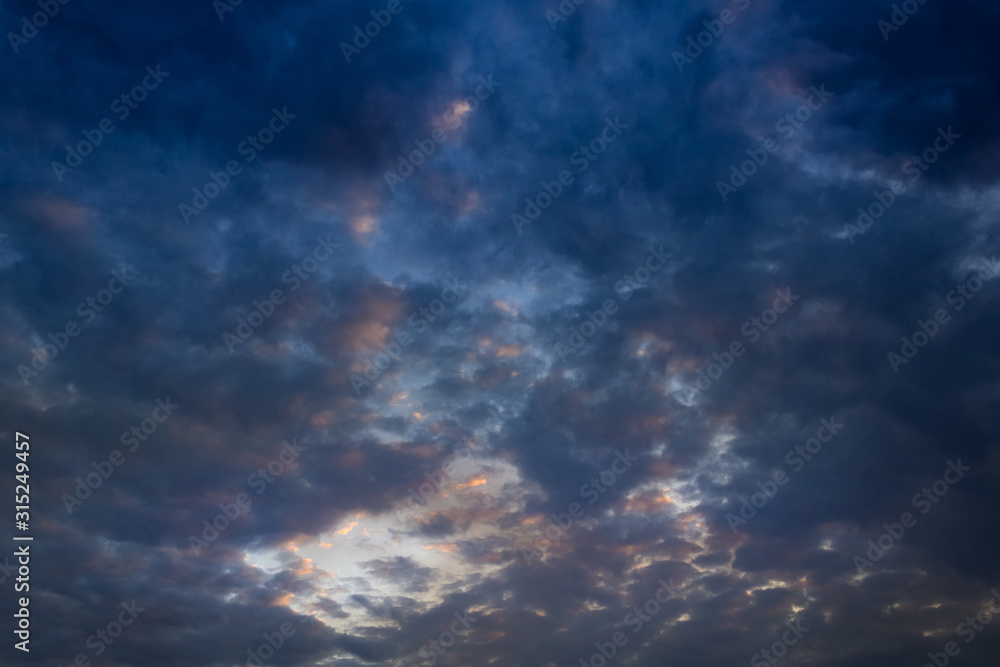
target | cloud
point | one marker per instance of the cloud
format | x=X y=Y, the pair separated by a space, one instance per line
x=322 y=546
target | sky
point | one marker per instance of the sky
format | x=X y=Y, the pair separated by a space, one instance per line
x=515 y=333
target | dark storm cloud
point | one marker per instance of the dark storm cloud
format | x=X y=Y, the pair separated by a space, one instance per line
x=563 y=418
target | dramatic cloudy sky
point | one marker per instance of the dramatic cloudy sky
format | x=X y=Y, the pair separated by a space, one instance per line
x=503 y=391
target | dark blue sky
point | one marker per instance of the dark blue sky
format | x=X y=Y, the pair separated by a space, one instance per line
x=502 y=333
